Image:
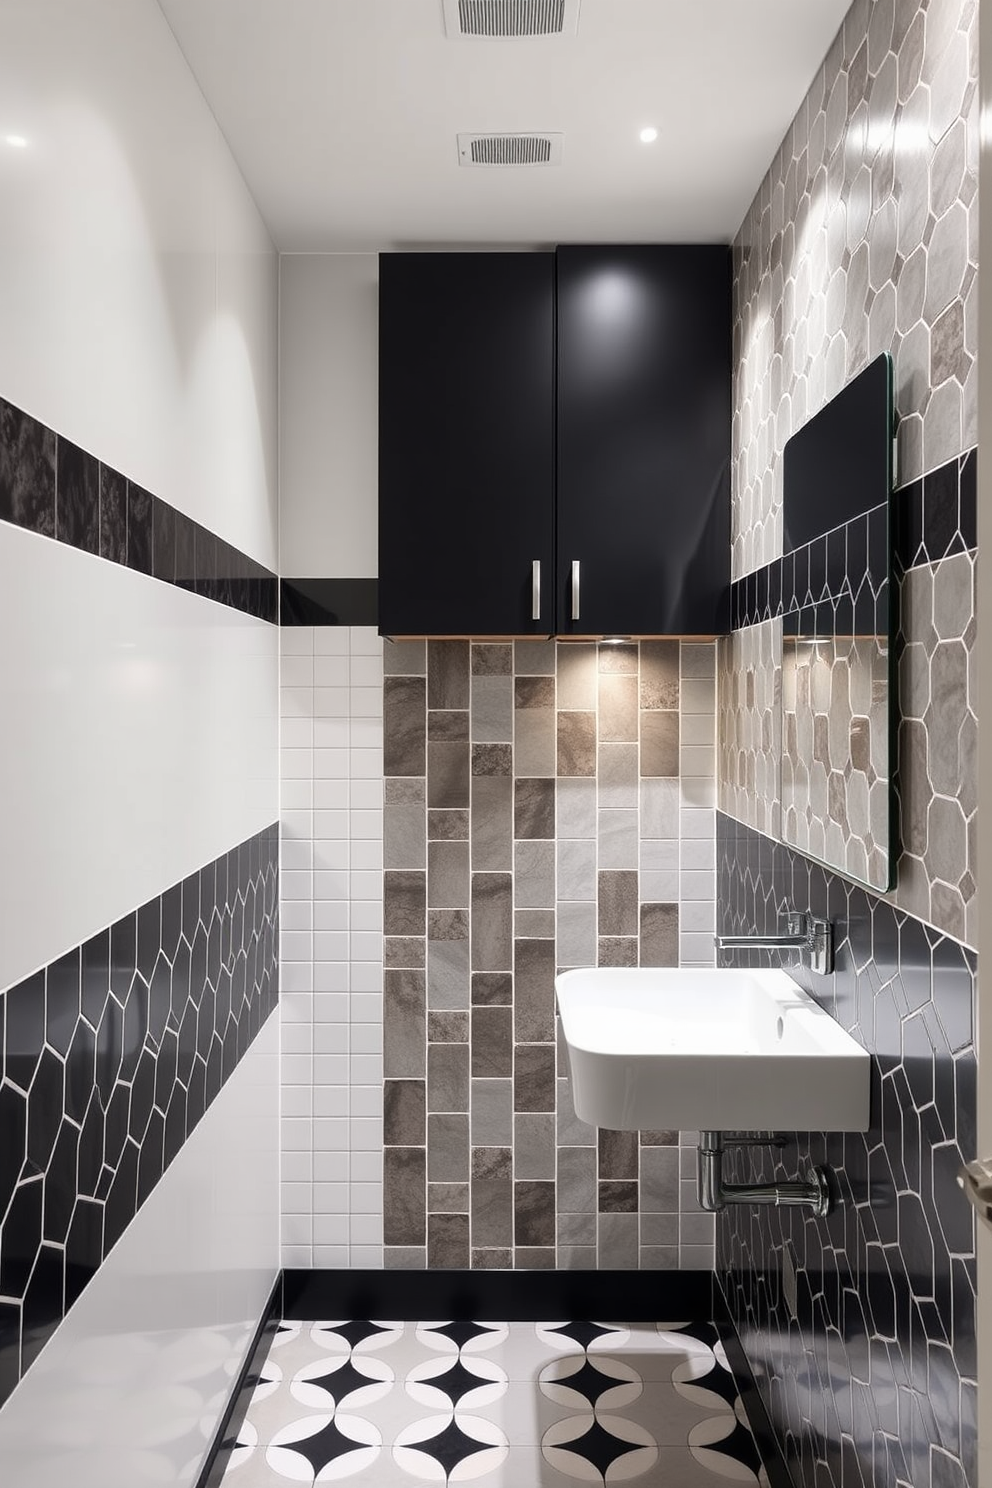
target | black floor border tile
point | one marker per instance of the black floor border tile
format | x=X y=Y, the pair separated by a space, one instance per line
x=769 y=1449
x=511 y=1296
x=218 y=1456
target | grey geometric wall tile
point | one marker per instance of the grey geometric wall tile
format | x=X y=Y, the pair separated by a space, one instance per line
x=492 y=823
x=576 y=744
x=617 y=707
x=111 y=1056
x=448 y=679
x=492 y=709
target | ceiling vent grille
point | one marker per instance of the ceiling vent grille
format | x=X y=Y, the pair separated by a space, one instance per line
x=509 y=149
x=504 y=20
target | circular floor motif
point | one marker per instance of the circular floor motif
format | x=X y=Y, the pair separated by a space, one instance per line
x=269 y=1380
x=446 y=1450
x=443 y=1384
x=726 y=1448
x=701 y=1380
x=351 y=1382
x=600 y=1449
x=470 y=1338
x=585 y=1335
x=580 y=1382
x=244 y=1447
x=320 y=1449
x=356 y=1337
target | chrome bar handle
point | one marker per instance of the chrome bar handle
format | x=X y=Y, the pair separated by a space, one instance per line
x=575 y=588
x=535 y=589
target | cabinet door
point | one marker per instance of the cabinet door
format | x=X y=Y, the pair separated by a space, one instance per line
x=644 y=413
x=466 y=443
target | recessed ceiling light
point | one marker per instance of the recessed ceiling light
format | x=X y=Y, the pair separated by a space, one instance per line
x=17 y=141
x=649 y=135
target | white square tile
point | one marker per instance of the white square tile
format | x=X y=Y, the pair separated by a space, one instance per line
x=366 y=764
x=697 y=915
x=331 y=1257
x=331 y=1167
x=697 y=759
x=331 y=825
x=330 y=640
x=331 y=1198
x=330 y=1100
x=295 y=826
x=366 y=857
x=329 y=795
x=330 y=1135
x=366 y=1167
x=295 y=914
x=365 y=641
x=296 y=1198
x=296 y=702
x=330 y=883
x=366 y=1131
x=295 y=1133
x=297 y=764
x=697 y=823
x=296 y=885
x=659 y=888
x=366 y=1069
x=295 y=1167
x=331 y=985
x=331 y=1069
x=697 y=886
x=366 y=824
x=296 y=1229
x=366 y=945
x=699 y=854
x=697 y=791
x=295 y=1069
x=332 y=1037
x=295 y=1257
x=331 y=702
x=296 y=671
x=330 y=671
x=330 y=764
x=296 y=1007
x=296 y=733
x=331 y=1229
x=296 y=1038
x=366 y=886
x=366 y=914
x=366 y=791
x=366 y=702
x=697 y=696
x=296 y=855
x=366 y=978
x=366 y=1257
x=697 y=948
x=296 y=640
x=296 y=794
x=365 y=733
x=366 y=1198
x=331 y=914
x=366 y=1038
x=365 y=1229
x=331 y=733
x=296 y=976
x=330 y=945
x=366 y=671
x=297 y=1100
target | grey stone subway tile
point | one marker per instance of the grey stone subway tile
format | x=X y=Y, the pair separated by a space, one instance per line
x=492 y=709
x=497 y=1259
x=448 y=725
x=535 y=741
x=533 y=1212
x=619 y=842
x=447 y=674
x=448 y=958
x=661 y=1258
x=618 y=776
x=404 y=951
x=659 y=812
x=618 y=1196
x=534 y=1258
x=404 y=1196
x=448 y=875
x=404 y=1024
x=492 y=1196
x=576 y=870
x=659 y=1229
x=405 y=1257
x=534 y=991
x=576 y=945
x=660 y=1180
x=448 y=775
x=534 y=875
x=404 y=717
x=492 y=759
x=492 y=659
x=404 y=837
x=578 y=1228
x=571 y=1131
x=492 y=921
x=660 y=744
x=577 y=675
x=577 y=805
x=576 y=1258
x=449 y=826
x=577 y=1187
x=447 y=1198
x=618 y=713
x=534 y=658
x=659 y=935
x=576 y=744
x=659 y=674
x=534 y=1077
x=492 y=988
x=492 y=824
x=618 y=1154
x=618 y=1247
x=617 y=898
x=492 y=1113
x=404 y=1113
x=534 y=924
x=447 y=1027
x=404 y=658
x=404 y=790
x=617 y=658
x=447 y=1077
x=534 y=1145
x=492 y=1042
x=447 y=1148
x=447 y=1242
x=617 y=950
x=697 y=659
x=404 y=902
x=534 y=808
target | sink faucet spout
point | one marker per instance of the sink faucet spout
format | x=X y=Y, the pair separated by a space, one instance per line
x=811 y=937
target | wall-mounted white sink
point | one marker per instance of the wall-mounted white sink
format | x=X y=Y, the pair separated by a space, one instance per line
x=672 y=1049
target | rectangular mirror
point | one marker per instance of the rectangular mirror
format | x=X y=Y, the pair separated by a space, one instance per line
x=838 y=726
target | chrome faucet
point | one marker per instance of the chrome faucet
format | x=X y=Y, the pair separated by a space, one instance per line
x=811 y=937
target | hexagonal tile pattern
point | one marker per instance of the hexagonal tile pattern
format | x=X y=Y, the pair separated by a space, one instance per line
x=862 y=239
x=872 y=1372
x=749 y=704
x=110 y=1057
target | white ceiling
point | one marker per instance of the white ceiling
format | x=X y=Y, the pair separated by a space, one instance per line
x=343 y=115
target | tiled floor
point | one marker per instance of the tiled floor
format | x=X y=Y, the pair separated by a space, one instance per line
x=508 y=1405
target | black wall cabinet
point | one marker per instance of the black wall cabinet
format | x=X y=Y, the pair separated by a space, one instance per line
x=466 y=443
x=569 y=410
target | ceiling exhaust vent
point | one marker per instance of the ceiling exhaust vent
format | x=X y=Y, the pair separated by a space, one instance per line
x=504 y=20
x=509 y=149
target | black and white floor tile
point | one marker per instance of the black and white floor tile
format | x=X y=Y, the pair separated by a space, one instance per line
x=530 y=1405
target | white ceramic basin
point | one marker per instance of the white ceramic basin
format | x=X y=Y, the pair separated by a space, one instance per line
x=667 y=1049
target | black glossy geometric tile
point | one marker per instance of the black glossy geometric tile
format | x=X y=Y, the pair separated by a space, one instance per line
x=50 y=486
x=876 y=1359
x=111 y=1055
x=519 y=1403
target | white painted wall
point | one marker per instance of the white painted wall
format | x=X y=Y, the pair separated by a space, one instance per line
x=139 y=741
x=130 y=1388
x=138 y=283
x=328 y=415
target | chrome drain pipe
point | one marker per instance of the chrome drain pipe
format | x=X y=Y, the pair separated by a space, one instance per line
x=814 y=1192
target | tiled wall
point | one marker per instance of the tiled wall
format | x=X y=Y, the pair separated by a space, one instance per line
x=332 y=1126
x=500 y=811
x=862 y=240
x=111 y=1055
x=546 y=806
x=871 y=1377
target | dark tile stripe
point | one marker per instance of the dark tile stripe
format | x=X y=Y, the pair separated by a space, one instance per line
x=932 y=518
x=885 y=1288
x=329 y=602
x=50 y=486
x=111 y=1055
